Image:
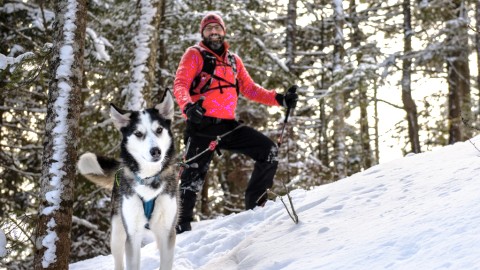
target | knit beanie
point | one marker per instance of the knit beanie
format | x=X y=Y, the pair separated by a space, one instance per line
x=211 y=18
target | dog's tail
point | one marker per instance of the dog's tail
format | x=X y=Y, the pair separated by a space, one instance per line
x=97 y=169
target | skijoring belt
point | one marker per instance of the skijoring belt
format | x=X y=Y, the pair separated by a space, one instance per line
x=214 y=120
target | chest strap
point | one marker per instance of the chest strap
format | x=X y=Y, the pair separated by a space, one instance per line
x=148 y=206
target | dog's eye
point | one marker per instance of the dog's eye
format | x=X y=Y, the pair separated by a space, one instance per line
x=138 y=134
x=159 y=130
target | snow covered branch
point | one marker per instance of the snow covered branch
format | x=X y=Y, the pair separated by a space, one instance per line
x=273 y=56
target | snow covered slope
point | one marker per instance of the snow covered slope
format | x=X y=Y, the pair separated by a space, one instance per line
x=418 y=212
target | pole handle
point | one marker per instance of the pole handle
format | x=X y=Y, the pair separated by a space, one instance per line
x=200 y=101
x=292 y=90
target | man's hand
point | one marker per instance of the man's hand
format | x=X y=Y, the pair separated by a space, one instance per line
x=291 y=97
x=289 y=100
x=195 y=112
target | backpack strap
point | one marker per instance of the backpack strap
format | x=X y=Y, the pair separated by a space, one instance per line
x=233 y=63
x=209 y=65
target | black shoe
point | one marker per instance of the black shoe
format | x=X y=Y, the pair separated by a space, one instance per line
x=184 y=227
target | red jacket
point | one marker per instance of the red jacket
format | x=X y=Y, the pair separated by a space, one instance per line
x=219 y=104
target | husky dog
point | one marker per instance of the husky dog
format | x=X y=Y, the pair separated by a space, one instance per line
x=144 y=184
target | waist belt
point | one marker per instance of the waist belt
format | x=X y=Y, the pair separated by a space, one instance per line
x=214 y=120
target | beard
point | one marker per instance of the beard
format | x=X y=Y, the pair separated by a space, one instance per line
x=214 y=41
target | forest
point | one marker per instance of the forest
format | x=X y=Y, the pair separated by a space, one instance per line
x=377 y=78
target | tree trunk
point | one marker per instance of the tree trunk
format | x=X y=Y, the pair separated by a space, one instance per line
x=340 y=158
x=376 y=121
x=323 y=151
x=139 y=93
x=408 y=103
x=357 y=37
x=291 y=29
x=459 y=101
x=52 y=244
x=162 y=70
x=477 y=46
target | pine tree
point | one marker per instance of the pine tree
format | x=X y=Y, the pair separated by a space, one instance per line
x=340 y=158
x=61 y=129
x=459 y=101
x=408 y=102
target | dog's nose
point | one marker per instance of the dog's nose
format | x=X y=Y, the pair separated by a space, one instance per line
x=155 y=152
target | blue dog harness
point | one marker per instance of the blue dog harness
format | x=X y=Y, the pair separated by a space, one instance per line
x=148 y=206
x=148 y=210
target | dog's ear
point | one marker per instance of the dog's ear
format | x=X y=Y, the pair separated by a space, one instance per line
x=121 y=118
x=165 y=108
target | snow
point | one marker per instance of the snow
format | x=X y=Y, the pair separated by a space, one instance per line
x=39 y=16
x=99 y=43
x=418 y=212
x=273 y=56
x=423 y=4
x=6 y=61
x=49 y=242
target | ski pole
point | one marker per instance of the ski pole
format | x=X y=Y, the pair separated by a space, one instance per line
x=292 y=213
x=287 y=114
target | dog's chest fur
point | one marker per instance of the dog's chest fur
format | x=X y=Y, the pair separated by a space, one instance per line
x=126 y=187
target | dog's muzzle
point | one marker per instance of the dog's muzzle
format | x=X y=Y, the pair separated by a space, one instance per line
x=155 y=153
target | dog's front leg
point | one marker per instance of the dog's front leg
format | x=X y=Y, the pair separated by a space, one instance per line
x=134 y=222
x=164 y=220
x=132 y=252
x=117 y=241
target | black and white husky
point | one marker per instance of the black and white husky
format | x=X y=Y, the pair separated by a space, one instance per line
x=144 y=184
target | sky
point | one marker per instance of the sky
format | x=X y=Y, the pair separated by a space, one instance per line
x=417 y=212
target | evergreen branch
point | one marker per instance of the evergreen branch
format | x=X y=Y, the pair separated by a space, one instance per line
x=45 y=56
x=20 y=171
x=15 y=224
x=85 y=223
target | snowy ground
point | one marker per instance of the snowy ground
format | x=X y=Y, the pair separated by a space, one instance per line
x=417 y=212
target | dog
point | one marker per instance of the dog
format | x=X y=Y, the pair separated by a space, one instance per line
x=144 y=183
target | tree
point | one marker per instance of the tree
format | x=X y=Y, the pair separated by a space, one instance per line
x=290 y=35
x=23 y=58
x=140 y=89
x=477 y=47
x=260 y=32
x=61 y=130
x=362 y=74
x=162 y=71
x=340 y=158
x=458 y=71
x=408 y=103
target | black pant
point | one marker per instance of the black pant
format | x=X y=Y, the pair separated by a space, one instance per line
x=244 y=140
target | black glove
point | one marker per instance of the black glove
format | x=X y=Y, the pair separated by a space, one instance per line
x=289 y=100
x=194 y=112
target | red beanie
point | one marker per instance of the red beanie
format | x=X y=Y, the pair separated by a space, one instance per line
x=211 y=18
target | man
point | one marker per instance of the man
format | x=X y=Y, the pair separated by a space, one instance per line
x=208 y=81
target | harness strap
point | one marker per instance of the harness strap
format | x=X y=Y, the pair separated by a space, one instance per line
x=223 y=80
x=209 y=66
x=145 y=180
x=148 y=206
